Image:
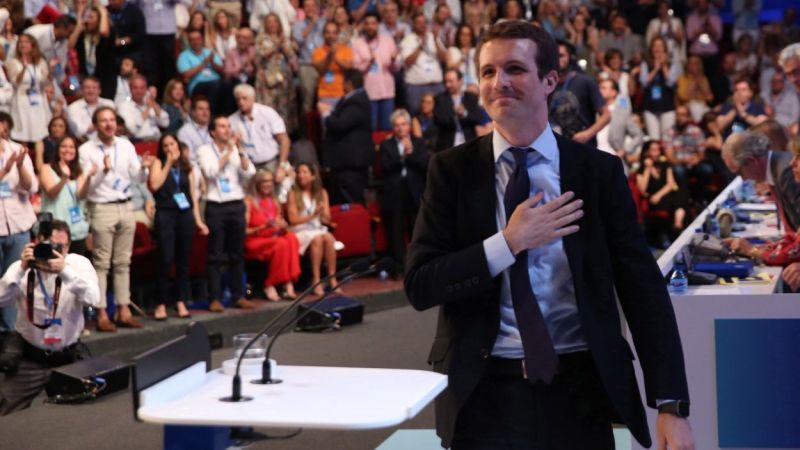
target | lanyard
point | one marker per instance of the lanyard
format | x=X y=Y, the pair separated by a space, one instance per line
x=71 y=192
x=32 y=72
x=49 y=301
x=176 y=175
x=247 y=128
x=203 y=135
x=216 y=152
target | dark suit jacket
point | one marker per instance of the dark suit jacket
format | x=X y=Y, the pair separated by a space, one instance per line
x=105 y=70
x=788 y=189
x=416 y=165
x=447 y=267
x=444 y=116
x=348 y=134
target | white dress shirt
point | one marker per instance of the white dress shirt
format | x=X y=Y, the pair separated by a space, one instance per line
x=195 y=136
x=125 y=169
x=79 y=116
x=548 y=268
x=426 y=69
x=51 y=48
x=16 y=211
x=79 y=286
x=208 y=158
x=146 y=129
x=123 y=92
x=258 y=134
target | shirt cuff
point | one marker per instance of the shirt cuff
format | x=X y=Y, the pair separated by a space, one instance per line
x=15 y=274
x=660 y=402
x=68 y=274
x=498 y=254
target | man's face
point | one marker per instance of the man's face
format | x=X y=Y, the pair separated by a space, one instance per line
x=61 y=33
x=443 y=14
x=60 y=241
x=106 y=125
x=420 y=25
x=742 y=92
x=776 y=83
x=452 y=82
x=126 y=68
x=371 y=27
x=510 y=86
x=791 y=69
x=244 y=37
x=245 y=103
x=682 y=116
x=196 y=41
x=311 y=8
x=618 y=25
x=201 y=112
x=91 y=90
x=331 y=33
x=702 y=6
x=222 y=131
x=401 y=127
x=138 y=89
x=607 y=90
x=390 y=13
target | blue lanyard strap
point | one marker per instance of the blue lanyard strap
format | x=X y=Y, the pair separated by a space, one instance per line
x=176 y=175
x=71 y=192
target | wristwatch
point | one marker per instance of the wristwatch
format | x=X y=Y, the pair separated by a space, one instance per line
x=679 y=408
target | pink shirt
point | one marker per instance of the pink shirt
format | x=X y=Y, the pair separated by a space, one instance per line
x=378 y=79
x=16 y=211
x=233 y=62
x=694 y=29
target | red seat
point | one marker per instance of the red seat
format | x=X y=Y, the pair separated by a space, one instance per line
x=353 y=228
x=643 y=211
x=143 y=258
x=146 y=147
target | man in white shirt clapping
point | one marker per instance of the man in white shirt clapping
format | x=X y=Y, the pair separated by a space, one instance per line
x=142 y=114
x=79 y=112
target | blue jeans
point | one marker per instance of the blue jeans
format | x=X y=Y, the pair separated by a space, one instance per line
x=11 y=247
x=381 y=111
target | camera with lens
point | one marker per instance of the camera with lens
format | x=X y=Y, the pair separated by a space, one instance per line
x=45 y=249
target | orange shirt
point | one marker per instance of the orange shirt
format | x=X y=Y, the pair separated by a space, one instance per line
x=331 y=82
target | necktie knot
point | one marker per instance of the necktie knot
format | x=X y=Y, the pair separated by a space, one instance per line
x=520 y=155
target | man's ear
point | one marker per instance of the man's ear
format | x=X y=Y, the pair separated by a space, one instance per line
x=550 y=81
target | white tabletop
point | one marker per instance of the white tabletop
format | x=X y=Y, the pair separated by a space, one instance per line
x=309 y=397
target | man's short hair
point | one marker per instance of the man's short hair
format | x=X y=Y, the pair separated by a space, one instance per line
x=372 y=14
x=775 y=132
x=244 y=89
x=60 y=225
x=546 y=49
x=64 y=21
x=90 y=78
x=7 y=119
x=744 y=145
x=99 y=111
x=743 y=78
x=399 y=113
x=458 y=73
x=355 y=77
x=614 y=83
x=198 y=98
x=791 y=51
x=611 y=53
x=212 y=125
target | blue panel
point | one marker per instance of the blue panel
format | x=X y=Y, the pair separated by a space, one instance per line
x=758 y=382
x=188 y=437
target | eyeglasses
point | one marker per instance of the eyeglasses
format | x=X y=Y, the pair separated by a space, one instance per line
x=794 y=73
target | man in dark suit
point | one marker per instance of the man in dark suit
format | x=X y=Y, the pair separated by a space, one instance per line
x=529 y=332
x=404 y=163
x=748 y=154
x=348 y=149
x=455 y=112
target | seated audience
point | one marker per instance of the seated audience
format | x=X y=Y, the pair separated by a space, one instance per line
x=142 y=114
x=656 y=183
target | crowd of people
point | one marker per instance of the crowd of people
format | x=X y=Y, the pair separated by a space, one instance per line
x=228 y=93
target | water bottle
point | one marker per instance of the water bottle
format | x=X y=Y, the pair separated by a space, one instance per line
x=678 y=282
x=383 y=275
x=714 y=228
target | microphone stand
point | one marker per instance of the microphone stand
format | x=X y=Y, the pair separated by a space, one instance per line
x=236 y=388
x=266 y=367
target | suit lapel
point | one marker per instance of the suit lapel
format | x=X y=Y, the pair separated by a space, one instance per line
x=482 y=201
x=574 y=177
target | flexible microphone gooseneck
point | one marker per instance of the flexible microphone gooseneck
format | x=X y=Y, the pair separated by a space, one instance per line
x=266 y=367
x=236 y=388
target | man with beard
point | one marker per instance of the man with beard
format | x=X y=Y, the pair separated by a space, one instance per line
x=685 y=149
x=374 y=55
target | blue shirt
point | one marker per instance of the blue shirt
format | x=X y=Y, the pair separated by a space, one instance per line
x=312 y=41
x=548 y=268
x=188 y=59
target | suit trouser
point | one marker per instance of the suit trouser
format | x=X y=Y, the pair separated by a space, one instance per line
x=507 y=411
x=309 y=79
x=160 y=48
x=174 y=230
x=399 y=216
x=350 y=186
x=225 y=246
x=113 y=230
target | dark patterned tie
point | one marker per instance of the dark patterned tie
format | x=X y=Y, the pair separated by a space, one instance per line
x=541 y=361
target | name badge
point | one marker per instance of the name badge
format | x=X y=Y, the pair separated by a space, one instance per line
x=249 y=145
x=329 y=77
x=207 y=73
x=120 y=185
x=224 y=185
x=33 y=97
x=54 y=333
x=373 y=68
x=181 y=200
x=75 y=215
x=735 y=128
x=5 y=189
x=655 y=92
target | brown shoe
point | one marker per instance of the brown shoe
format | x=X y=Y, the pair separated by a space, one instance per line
x=216 y=306
x=243 y=303
x=105 y=325
x=129 y=323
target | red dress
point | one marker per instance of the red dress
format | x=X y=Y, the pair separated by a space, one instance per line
x=281 y=251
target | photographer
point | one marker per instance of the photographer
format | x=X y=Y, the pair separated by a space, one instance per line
x=50 y=288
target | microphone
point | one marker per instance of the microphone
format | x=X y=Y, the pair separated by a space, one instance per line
x=266 y=367
x=236 y=389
